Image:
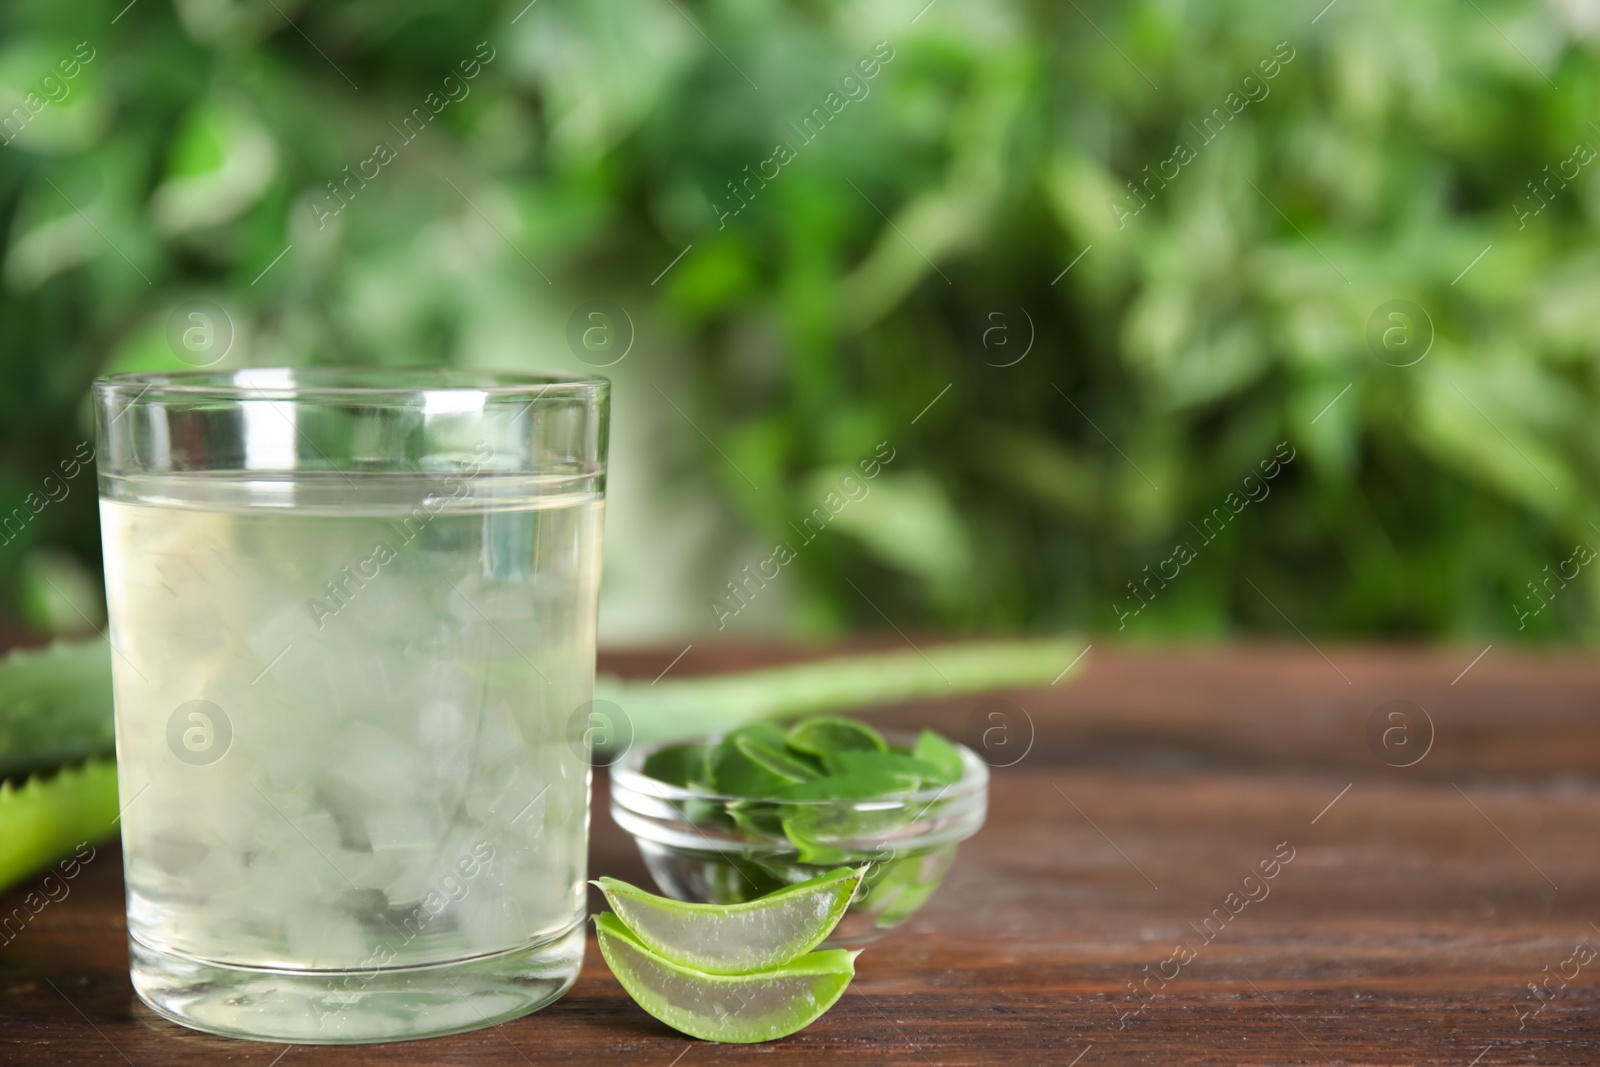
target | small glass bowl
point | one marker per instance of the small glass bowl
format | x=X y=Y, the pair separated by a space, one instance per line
x=708 y=848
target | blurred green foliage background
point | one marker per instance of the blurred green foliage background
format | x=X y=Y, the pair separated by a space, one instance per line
x=908 y=255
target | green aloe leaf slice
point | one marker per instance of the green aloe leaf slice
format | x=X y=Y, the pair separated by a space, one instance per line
x=777 y=761
x=680 y=765
x=740 y=1008
x=888 y=766
x=735 y=938
x=736 y=774
x=826 y=733
x=848 y=787
x=931 y=748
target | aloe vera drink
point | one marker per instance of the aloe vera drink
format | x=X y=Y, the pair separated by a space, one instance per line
x=355 y=806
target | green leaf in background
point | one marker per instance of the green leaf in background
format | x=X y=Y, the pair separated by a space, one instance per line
x=848 y=301
x=59 y=594
x=57 y=81
x=223 y=161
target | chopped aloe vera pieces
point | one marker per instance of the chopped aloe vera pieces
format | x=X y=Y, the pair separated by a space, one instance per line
x=888 y=766
x=768 y=733
x=736 y=774
x=931 y=748
x=777 y=761
x=825 y=734
x=738 y=1008
x=680 y=765
x=735 y=879
x=758 y=816
x=787 y=790
x=905 y=903
x=835 y=758
x=848 y=787
x=746 y=778
x=801 y=831
x=822 y=832
x=735 y=938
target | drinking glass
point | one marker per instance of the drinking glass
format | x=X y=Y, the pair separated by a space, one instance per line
x=352 y=619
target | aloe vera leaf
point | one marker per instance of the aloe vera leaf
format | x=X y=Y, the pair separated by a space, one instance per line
x=758 y=935
x=778 y=761
x=45 y=818
x=734 y=772
x=55 y=706
x=829 y=733
x=673 y=709
x=764 y=817
x=915 y=879
x=931 y=748
x=680 y=765
x=893 y=767
x=770 y=1004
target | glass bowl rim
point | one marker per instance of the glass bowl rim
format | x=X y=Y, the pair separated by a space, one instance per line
x=410 y=382
x=627 y=776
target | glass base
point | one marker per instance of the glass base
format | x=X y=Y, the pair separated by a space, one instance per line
x=351 y=1007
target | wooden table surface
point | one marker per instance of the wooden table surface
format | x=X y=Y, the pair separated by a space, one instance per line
x=1420 y=910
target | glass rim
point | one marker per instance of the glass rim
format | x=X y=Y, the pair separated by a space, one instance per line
x=392 y=383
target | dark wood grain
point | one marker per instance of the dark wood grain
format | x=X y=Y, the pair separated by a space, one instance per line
x=1406 y=928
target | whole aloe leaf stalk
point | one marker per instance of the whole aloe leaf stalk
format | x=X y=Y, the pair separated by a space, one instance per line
x=46 y=818
x=55 y=707
x=670 y=710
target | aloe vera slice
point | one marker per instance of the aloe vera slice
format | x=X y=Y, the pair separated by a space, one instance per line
x=736 y=774
x=827 y=733
x=931 y=748
x=735 y=938
x=890 y=767
x=680 y=765
x=777 y=761
x=897 y=887
x=738 y=1008
x=46 y=817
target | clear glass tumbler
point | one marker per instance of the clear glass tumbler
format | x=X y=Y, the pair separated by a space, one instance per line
x=353 y=634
